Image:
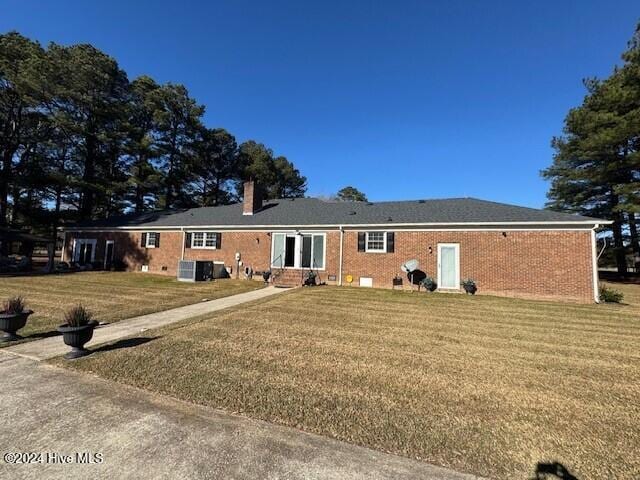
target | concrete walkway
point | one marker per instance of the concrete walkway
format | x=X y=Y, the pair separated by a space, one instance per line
x=56 y=413
x=54 y=346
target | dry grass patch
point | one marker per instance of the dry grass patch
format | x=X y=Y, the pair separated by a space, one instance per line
x=111 y=296
x=480 y=384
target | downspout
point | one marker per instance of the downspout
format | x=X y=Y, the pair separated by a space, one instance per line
x=594 y=265
x=340 y=263
x=184 y=239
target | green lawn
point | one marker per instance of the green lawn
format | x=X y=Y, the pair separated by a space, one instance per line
x=111 y=296
x=479 y=384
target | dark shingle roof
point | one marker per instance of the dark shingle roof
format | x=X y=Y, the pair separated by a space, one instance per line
x=312 y=211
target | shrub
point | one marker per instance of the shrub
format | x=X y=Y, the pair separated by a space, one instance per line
x=468 y=283
x=469 y=286
x=78 y=316
x=14 y=305
x=428 y=284
x=610 y=295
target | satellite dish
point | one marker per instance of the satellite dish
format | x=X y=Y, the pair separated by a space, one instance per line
x=409 y=266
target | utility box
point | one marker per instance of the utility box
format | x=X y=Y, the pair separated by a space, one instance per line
x=219 y=270
x=195 y=270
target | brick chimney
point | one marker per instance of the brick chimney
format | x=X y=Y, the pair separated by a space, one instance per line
x=252 y=202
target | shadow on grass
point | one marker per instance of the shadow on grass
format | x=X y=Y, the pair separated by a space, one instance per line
x=124 y=343
x=553 y=471
x=28 y=338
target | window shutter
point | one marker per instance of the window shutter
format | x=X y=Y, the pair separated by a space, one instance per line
x=157 y=239
x=218 y=240
x=390 y=242
x=361 y=241
x=187 y=240
x=143 y=240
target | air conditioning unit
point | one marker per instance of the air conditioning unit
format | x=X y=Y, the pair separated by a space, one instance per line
x=194 y=270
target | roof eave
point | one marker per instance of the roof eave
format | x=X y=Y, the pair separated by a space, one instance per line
x=574 y=223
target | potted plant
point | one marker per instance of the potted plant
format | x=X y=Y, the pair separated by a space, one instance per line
x=12 y=318
x=428 y=283
x=77 y=331
x=469 y=286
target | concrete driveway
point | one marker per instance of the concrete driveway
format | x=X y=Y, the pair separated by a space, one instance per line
x=58 y=414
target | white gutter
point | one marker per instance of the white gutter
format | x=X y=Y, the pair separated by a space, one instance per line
x=340 y=263
x=350 y=226
x=64 y=245
x=594 y=265
x=387 y=226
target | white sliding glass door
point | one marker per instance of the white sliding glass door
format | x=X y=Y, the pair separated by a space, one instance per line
x=298 y=250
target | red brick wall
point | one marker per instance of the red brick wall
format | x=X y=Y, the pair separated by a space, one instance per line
x=254 y=248
x=539 y=264
x=128 y=248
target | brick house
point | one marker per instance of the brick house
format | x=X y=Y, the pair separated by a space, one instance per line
x=508 y=250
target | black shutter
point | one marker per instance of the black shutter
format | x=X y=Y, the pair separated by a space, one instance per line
x=361 y=241
x=143 y=240
x=157 y=239
x=187 y=240
x=390 y=242
x=218 y=240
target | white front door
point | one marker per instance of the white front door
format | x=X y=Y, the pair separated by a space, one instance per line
x=449 y=266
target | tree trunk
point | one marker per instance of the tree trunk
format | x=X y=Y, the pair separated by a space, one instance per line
x=618 y=245
x=5 y=180
x=216 y=198
x=618 y=242
x=56 y=215
x=635 y=246
x=139 y=198
x=88 y=178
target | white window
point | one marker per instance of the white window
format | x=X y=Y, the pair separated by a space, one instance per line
x=151 y=240
x=376 y=242
x=197 y=240
x=204 y=240
x=298 y=250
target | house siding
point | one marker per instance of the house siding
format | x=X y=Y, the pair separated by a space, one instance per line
x=550 y=264
x=544 y=264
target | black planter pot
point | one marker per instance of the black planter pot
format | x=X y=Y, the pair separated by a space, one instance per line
x=76 y=337
x=10 y=323
x=470 y=289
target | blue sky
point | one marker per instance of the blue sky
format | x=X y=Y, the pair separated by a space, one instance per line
x=402 y=99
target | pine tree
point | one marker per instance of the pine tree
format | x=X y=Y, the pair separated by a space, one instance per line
x=595 y=169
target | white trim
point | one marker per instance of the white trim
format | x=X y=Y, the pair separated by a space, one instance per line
x=146 y=240
x=355 y=226
x=75 y=254
x=269 y=230
x=375 y=250
x=113 y=252
x=457 y=260
x=594 y=266
x=64 y=246
x=205 y=236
